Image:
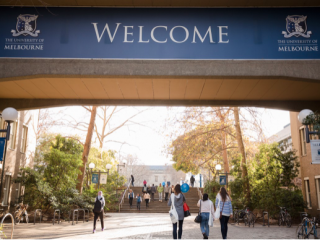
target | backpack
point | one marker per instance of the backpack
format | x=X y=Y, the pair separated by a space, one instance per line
x=97 y=205
x=139 y=199
x=145 y=189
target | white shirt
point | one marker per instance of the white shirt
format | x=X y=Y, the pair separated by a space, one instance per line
x=205 y=206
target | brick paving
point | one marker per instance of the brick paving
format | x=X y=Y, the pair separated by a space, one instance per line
x=144 y=226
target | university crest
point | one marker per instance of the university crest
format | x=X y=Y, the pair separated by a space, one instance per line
x=26 y=25
x=296 y=25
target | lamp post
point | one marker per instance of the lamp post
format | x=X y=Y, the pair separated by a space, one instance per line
x=10 y=115
x=218 y=168
x=301 y=116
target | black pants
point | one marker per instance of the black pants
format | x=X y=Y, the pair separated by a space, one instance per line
x=96 y=216
x=130 y=201
x=138 y=205
x=224 y=226
x=152 y=196
x=147 y=202
x=166 y=198
x=175 y=225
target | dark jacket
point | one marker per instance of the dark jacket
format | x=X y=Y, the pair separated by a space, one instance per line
x=153 y=189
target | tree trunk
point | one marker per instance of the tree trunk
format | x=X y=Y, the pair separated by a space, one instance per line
x=223 y=142
x=86 y=149
x=246 y=186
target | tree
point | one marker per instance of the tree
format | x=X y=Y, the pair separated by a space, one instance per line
x=246 y=186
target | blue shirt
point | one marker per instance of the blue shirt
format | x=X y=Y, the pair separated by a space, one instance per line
x=227 y=207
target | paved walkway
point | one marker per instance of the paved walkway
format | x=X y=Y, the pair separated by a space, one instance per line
x=144 y=226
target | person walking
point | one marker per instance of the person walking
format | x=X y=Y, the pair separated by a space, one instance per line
x=144 y=182
x=206 y=208
x=153 y=191
x=131 y=197
x=146 y=197
x=177 y=198
x=98 y=211
x=160 y=191
x=192 y=180
x=132 y=180
x=225 y=209
x=166 y=192
x=172 y=189
x=139 y=200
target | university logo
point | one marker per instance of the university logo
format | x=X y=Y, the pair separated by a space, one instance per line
x=296 y=26
x=26 y=25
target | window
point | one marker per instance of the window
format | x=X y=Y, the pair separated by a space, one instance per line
x=13 y=134
x=6 y=190
x=303 y=145
x=308 y=193
x=318 y=189
x=156 y=178
x=24 y=139
x=3 y=125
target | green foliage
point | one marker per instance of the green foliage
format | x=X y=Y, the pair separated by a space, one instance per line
x=271 y=175
x=212 y=188
x=313 y=120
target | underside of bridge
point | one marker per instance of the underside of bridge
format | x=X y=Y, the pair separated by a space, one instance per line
x=271 y=84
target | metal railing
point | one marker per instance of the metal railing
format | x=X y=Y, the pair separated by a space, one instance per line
x=199 y=193
x=84 y=210
x=12 y=223
x=54 y=216
x=35 y=215
x=124 y=194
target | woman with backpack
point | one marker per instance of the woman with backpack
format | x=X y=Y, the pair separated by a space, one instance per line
x=145 y=188
x=224 y=201
x=206 y=208
x=98 y=211
x=177 y=199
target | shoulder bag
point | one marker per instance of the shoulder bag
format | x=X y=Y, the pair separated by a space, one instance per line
x=173 y=212
x=210 y=216
x=198 y=218
x=217 y=212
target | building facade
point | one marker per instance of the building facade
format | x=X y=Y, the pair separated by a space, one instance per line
x=20 y=153
x=310 y=173
x=154 y=174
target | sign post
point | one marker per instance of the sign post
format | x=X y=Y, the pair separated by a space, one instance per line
x=315 y=151
x=95 y=178
x=2 y=148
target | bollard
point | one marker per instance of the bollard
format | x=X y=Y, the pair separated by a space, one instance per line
x=35 y=215
x=265 y=213
x=54 y=216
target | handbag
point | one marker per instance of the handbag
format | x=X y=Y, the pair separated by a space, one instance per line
x=217 y=212
x=198 y=217
x=173 y=212
x=186 y=210
x=210 y=218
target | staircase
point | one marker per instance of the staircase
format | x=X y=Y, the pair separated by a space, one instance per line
x=156 y=206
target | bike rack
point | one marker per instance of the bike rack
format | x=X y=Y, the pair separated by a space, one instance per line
x=12 y=222
x=35 y=215
x=263 y=214
x=74 y=210
x=54 y=216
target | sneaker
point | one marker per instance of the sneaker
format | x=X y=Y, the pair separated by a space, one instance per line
x=102 y=229
x=205 y=236
x=94 y=231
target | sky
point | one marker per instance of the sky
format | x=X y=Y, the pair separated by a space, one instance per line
x=145 y=137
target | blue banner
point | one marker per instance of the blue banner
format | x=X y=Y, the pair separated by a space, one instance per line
x=160 y=33
x=223 y=180
x=2 y=147
x=95 y=178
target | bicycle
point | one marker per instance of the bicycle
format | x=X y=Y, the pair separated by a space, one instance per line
x=302 y=230
x=246 y=215
x=21 y=211
x=284 y=217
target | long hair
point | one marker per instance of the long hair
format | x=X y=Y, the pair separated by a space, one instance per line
x=177 y=189
x=223 y=194
x=205 y=197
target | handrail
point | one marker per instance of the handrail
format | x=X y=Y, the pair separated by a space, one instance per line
x=199 y=193
x=12 y=222
x=35 y=215
x=124 y=194
x=54 y=216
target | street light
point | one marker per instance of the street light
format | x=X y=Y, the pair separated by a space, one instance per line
x=91 y=166
x=9 y=115
x=108 y=167
x=301 y=116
